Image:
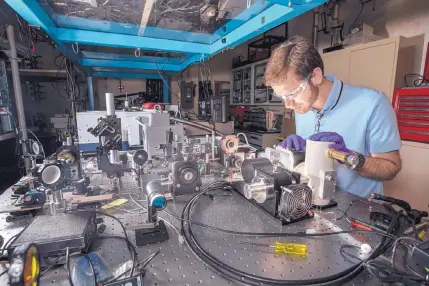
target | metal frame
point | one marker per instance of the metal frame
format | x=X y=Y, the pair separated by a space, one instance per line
x=258 y=18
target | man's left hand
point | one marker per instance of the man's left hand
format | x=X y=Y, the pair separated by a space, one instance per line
x=338 y=140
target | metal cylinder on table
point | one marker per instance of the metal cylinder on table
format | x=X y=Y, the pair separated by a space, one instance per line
x=110 y=104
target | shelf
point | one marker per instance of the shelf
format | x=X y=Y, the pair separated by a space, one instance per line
x=257 y=87
x=40 y=75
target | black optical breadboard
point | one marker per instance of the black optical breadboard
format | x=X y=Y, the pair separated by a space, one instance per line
x=52 y=234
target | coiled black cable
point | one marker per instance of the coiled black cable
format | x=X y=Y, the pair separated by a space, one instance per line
x=245 y=278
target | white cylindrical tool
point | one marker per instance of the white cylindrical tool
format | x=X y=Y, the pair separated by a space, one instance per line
x=316 y=159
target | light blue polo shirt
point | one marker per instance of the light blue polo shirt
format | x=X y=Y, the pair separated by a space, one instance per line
x=367 y=122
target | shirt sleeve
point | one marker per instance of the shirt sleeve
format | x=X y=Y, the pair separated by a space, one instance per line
x=382 y=133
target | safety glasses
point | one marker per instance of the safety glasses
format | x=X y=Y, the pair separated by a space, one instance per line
x=297 y=91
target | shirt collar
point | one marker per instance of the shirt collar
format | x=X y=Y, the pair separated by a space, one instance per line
x=333 y=94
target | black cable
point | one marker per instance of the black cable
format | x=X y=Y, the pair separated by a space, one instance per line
x=387 y=274
x=276 y=234
x=133 y=252
x=9 y=242
x=362 y=5
x=346 y=254
x=421 y=80
x=125 y=237
x=92 y=268
x=68 y=266
x=4 y=272
x=50 y=266
x=248 y=279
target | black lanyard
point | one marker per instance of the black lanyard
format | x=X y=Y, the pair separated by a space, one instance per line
x=320 y=114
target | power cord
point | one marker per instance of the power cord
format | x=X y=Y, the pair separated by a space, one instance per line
x=420 y=80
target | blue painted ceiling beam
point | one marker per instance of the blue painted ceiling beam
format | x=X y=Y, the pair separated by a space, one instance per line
x=129 y=65
x=122 y=57
x=270 y=18
x=128 y=41
x=73 y=22
x=286 y=2
x=275 y=12
x=126 y=75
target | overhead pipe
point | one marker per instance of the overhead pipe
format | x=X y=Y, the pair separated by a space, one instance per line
x=196 y=125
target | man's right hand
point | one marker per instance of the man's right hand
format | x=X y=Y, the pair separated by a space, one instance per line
x=293 y=142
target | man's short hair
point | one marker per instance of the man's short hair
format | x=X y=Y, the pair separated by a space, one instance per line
x=296 y=54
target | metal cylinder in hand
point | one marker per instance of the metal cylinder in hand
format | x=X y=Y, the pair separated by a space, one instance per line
x=338 y=155
x=350 y=160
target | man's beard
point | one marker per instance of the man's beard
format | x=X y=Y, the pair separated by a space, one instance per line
x=300 y=106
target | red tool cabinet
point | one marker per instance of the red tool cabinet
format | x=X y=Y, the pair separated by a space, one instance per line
x=411 y=106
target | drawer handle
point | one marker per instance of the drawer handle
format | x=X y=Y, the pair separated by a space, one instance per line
x=253 y=137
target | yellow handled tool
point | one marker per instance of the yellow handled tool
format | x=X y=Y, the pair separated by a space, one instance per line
x=290 y=248
x=283 y=248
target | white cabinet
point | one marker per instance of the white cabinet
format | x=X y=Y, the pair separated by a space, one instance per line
x=382 y=65
x=411 y=184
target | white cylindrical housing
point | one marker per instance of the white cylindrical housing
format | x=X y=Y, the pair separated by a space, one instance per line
x=316 y=159
x=110 y=104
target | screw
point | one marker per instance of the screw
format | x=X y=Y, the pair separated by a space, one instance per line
x=197 y=189
x=330 y=178
x=178 y=185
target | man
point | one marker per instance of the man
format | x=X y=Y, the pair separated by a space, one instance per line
x=356 y=119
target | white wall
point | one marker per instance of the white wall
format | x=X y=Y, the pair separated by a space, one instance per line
x=104 y=85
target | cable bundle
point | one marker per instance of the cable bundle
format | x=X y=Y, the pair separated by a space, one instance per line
x=245 y=278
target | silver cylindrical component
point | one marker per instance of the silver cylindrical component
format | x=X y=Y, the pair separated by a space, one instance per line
x=58 y=196
x=17 y=90
x=336 y=14
x=256 y=191
x=153 y=188
x=69 y=141
x=110 y=104
x=114 y=156
x=155 y=200
x=213 y=144
x=260 y=191
x=59 y=202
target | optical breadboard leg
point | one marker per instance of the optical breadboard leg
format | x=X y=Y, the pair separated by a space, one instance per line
x=147 y=236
